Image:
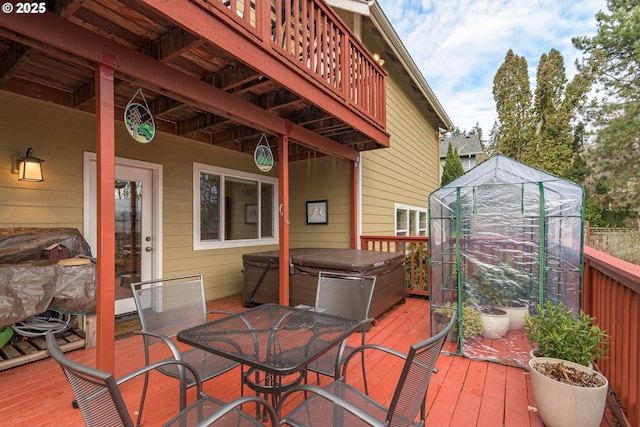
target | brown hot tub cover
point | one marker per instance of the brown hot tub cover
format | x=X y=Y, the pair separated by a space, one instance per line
x=306 y=263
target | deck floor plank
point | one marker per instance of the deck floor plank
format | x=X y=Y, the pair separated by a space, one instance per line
x=463 y=393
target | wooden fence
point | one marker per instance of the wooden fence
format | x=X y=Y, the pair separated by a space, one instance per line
x=611 y=294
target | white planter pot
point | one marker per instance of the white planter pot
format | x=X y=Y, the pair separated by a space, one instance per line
x=565 y=405
x=517 y=316
x=495 y=322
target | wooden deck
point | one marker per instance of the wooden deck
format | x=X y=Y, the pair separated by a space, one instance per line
x=463 y=393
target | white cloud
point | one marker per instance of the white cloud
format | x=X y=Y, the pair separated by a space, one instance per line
x=460 y=44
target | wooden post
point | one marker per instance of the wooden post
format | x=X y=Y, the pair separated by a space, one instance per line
x=283 y=184
x=105 y=274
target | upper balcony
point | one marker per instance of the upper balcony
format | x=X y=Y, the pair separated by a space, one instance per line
x=293 y=59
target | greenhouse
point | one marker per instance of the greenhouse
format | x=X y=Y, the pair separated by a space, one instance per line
x=504 y=237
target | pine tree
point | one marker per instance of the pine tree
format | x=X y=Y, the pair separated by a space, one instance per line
x=511 y=91
x=452 y=166
x=556 y=105
x=477 y=130
x=615 y=52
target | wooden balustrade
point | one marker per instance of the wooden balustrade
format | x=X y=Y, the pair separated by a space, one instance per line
x=611 y=294
x=416 y=251
x=309 y=35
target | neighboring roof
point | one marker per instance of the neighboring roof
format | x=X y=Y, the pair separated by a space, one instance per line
x=401 y=55
x=468 y=145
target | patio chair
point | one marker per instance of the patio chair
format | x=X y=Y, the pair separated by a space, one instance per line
x=165 y=307
x=339 y=404
x=99 y=398
x=345 y=295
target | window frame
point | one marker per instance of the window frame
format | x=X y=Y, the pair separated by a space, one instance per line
x=409 y=209
x=223 y=173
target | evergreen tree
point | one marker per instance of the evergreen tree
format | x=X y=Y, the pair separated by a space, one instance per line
x=452 y=166
x=511 y=91
x=494 y=139
x=477 y=130
x=615 y=52
x=556 y=105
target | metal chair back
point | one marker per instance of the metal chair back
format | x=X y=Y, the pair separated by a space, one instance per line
x=345 y=295
x=96 y=392
x=410 y=395
x=168 y=305
x=165 y=307
x=100 y=400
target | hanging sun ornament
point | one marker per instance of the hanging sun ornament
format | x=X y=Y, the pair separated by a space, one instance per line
x=263 y=156
x=138 y=120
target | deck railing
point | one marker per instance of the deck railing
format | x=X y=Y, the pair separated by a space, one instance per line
x=611 y=294
x=416 y=252
x=310 y=36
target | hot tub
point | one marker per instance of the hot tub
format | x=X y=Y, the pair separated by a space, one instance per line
x=261 y=275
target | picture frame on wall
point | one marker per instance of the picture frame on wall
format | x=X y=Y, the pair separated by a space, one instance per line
x=318 y=212
x=251 y=214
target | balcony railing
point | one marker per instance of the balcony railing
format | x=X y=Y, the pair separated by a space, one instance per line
x=611 y=294
x=416 y=252
x=309 y=35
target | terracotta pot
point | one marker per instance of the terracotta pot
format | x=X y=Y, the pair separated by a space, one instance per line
x=565 y=405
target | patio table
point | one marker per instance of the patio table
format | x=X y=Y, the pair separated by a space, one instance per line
x=273 y=340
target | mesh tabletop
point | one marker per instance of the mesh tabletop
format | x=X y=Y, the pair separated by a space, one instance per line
x=277 y=339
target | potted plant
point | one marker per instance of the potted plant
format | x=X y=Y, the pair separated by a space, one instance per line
x=488 y=295
x=566 y=391
x=471 y=321
x=556 y=332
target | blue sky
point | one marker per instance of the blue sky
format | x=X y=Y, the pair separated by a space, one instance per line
x=460 y=44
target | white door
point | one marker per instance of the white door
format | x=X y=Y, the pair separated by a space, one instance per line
x=137 y=234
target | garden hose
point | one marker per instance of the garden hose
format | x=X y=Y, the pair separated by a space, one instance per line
x=39 y=326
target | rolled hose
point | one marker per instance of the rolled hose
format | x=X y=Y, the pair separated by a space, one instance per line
x=38 y=326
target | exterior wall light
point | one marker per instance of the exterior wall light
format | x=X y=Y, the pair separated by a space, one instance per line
x=378 y=59
x=29 y=168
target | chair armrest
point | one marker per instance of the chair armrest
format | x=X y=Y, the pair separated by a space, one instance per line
x=362 y=348
x=239 y=402
x=151 y=367
x=226 y=312
x=165 y=339
x=336 y=400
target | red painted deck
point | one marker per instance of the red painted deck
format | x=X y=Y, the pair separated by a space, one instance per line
x=463 y=393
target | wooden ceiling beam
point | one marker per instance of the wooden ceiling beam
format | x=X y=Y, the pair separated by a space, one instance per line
x=172 y=44
x=11 y=60
x=68 y=37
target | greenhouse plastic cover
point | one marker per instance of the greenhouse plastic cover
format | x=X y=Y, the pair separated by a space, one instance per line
x=503 y=232
x=29 y=286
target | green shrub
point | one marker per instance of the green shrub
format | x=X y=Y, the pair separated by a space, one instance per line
x=558 y=333
x=471 y=320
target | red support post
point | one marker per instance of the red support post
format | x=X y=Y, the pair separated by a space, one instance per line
x=283 y=184
x=105 y=266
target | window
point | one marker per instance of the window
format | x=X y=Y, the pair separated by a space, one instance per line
x=233 y=208
x=410 y=220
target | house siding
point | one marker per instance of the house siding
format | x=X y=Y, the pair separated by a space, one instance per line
x=325 y=178
x=407 y=172
x=60 y=136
